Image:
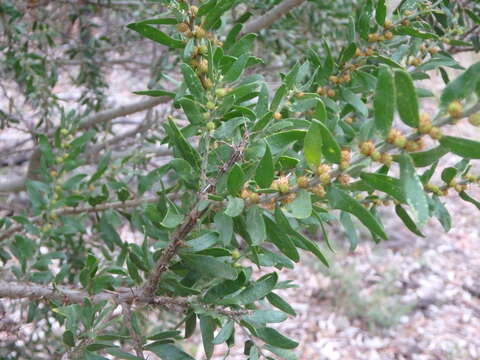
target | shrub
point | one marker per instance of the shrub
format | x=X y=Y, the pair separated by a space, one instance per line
x=248 y=166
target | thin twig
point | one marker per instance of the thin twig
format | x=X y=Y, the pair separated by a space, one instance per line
x=137 y=341
x=272 y=15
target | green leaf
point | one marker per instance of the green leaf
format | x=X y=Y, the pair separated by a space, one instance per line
x=273 y=337
x=185 y=149
x=224 y=226
x=300 y=240
x=407 y=30
x=215 y=12
x=407 y=220
x=281 y=304
x=339 y=199
x=350 y=230
x=448 y=174
x=209 y=266
x=257 y=290
x=243 y=46
x=441 y=213
x=119 y=354
x=225 y=333
x=263 y=317
x=406 y=98
x=172 y=218
x=164 y=335
x=427 y=158
x=159 y=21
x=462 y=86
x=168 y=352
x=192 y=110
x=155 y=93
x=301 y=207
x=330 y=148
x=256 y=225
x=381 y=12
x=234 y=206
x=235 y=180
x=354 y=100
x=312 y=145
x=413 y=189
x=236 y=69
x=206 y=7
x=384 y=183
x=193 y=82
x=281 y=240
x=277 y=98
x=156 y=35
x=109 y=234
x=265 y=170
x=207 y=327
x=469 y=199
x=281 y=353
x=384 y=101
x=463 y=147
x=68 y=338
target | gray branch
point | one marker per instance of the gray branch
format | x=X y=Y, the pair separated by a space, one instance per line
x=272 y=15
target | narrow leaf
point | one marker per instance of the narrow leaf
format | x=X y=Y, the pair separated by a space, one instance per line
x=406 y=98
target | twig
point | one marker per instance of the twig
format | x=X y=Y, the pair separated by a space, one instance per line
x=186 y=227
x=137 y=341
x=270 y=16
x=81 y=209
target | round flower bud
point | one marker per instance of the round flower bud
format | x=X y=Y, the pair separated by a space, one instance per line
x=277 y=115
x=210 y=105
x=333 y=79
x=400 y=142
x=369 y=51
x=425 y=125
x=358 y=52
x=207 y=83
x=199 y=32
x=367 y=148
x=386 y=159
x=325 y=178
x=235 y=254
x=221 y=92
x=455 y=109
x=321 y=91
x=435 y=133
x=474 y=119
x=319 y=190
x=376 y=156
x=303 y=182
x=331 y=93
x=283 y=186
x=323 y=169
x=182 y=27
x=388 y=35
x=372 y=37
x=211 y=126
x=388 y=24
x=254 y=198
x=193 y=10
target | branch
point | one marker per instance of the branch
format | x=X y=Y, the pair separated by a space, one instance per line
x=137 y=341
x=123 y=110
x=180 y=234
x=65 y=295
x=18 y=184
x=267 y=19
x=81 y=209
